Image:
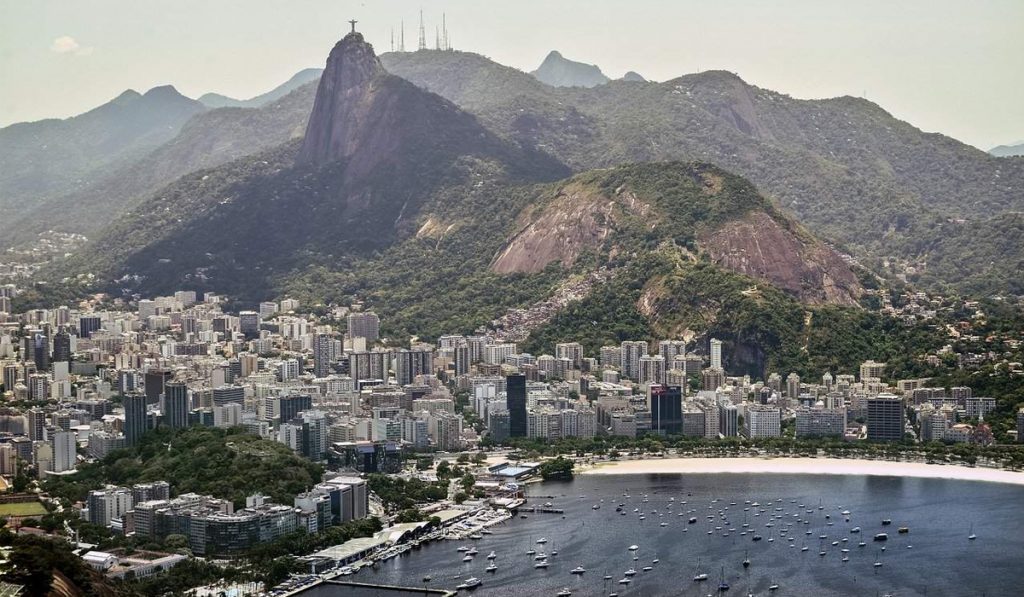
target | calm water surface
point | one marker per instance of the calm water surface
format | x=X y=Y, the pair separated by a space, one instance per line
x=934 y=558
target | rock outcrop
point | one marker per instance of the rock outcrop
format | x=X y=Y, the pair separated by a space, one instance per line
x=761 y=248
x=559 y=71
x=344 y=112
x=701 y=210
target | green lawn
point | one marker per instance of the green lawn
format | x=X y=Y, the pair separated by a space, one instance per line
x=22 y=509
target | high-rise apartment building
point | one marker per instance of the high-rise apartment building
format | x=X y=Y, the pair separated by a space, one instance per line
x=410 y=363
x=572 y=351
x=364 y=325
x=793 y=386
x=651 y=369
x=820 y=422
x=631 y=353
x=716 y=353
x=65 y=450
x=871 y=370
x=323 y=355
x=107 y=504
x=763 y=421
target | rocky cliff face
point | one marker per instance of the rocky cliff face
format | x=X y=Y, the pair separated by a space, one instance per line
x=344 y=112
x=760 y=248
x=577 y=219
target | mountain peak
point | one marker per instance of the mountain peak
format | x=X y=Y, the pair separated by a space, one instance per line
x=163 y=92
x=340 y=98
x=126 y=97
x=559 y=71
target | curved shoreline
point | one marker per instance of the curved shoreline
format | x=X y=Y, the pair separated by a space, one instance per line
x=804 y=466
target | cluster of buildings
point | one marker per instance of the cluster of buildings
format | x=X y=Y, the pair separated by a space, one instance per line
x=81 y=382
x=212 y=526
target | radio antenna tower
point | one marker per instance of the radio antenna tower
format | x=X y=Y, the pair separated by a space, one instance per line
x=392 y=39
x=423 y=34
x=437 y=38
x=401 y=40
x=444 y=34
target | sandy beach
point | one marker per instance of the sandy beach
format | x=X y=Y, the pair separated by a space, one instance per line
x=811 y=466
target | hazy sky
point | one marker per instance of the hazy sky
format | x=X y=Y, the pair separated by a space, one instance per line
x=955 y=67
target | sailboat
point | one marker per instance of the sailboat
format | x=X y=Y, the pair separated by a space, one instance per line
x=972 y=536
x=699 y=576
x=746 y=560
x=722 y=585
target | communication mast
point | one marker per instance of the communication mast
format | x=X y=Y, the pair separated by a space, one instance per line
x=445 y=44
x=423 y=34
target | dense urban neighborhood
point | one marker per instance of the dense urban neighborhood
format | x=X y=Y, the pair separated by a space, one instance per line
x=159 y=432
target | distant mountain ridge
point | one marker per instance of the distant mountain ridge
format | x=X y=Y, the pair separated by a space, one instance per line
x=377 y=150
x=848 y=169
x=1013 y=149
x=51 y=157
x=884 y=190
x=208 y=139
x=304 y=76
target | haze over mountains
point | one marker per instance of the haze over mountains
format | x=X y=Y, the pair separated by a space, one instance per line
x=50 y=157
x=849 y=171
x=216 y=100
x=1013 y=149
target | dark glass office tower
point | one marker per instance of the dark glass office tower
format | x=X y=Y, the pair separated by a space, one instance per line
x=515 y=391
x=134 y=417
x=176 y=406
x=666 y=410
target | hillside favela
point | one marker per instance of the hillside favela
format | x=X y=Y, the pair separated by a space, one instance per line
x=375 y=299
